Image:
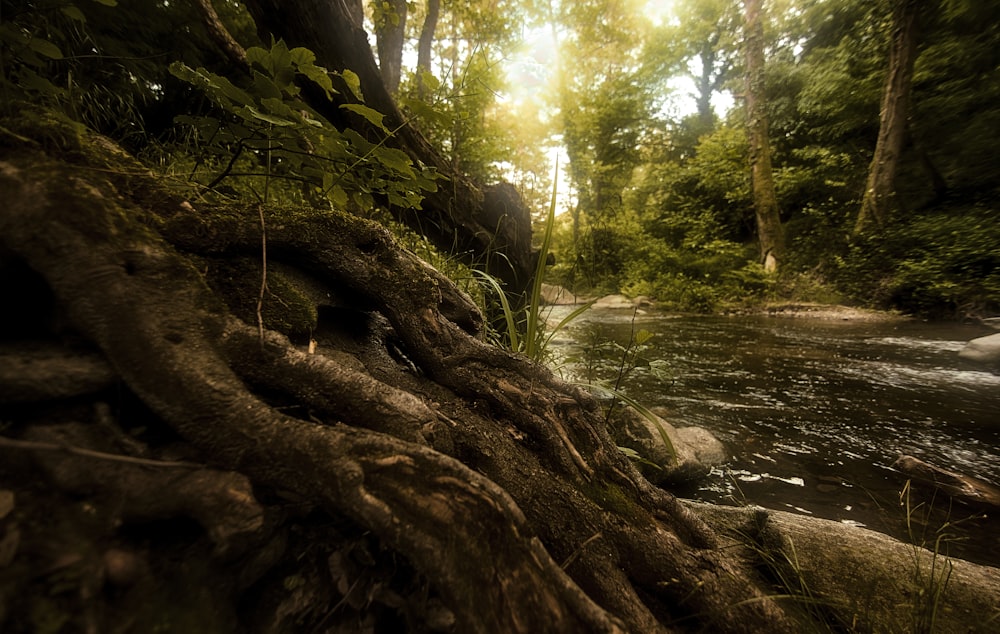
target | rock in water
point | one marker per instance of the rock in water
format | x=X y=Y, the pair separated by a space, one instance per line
x=985 y=350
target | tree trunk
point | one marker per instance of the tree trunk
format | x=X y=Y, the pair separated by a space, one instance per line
x=880 y=188
x=486 y=226
x=769 y=230
x=426 y=42
x=390 y=32
x=708 y=82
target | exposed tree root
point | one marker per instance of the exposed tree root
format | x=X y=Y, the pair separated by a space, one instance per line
x=481 y=468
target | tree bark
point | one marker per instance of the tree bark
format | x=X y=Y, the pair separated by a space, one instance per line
x=769 y=231
x=426 y=42
x=880 y=188
x=482 y=469
x=390 y=32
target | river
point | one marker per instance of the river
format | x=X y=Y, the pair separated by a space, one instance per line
x=814 y=411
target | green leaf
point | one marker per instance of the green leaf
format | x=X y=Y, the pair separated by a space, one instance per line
x=73 y=13
x=278 y=108
x=45 y=48
x=265 y=87
x=281 y=58
x=353 y=82
x=257 y=55
x=30 y=80
x=360 y=143
x=261 y=116
x=217 y=87
x=302 y=56
x=372 y=115
x=107 y=3
x=319 y=76
x=338 y=196
x=426 y=111
x=396 y=160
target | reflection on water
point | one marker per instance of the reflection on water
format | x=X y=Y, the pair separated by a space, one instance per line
x=814 y=412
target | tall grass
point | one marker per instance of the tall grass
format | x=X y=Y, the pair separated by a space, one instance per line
x=930 y=582
x=531 y=336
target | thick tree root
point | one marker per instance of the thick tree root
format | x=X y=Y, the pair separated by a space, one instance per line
x=532 y=477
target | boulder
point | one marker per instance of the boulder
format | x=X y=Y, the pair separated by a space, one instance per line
x=614 y=302
x=985 y=350
x=692 y=453
x=554 y=295
x=620 y=302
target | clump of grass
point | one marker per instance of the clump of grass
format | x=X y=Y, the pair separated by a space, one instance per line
x=529 y=335
x=929 y=581
x=781 y=564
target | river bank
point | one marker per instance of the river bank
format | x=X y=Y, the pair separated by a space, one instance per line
x=813 y=405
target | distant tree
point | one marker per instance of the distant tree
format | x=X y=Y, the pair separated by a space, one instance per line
x=389 y=17
x=769 y=230
x=426 y=42
x=879 y=195
x=605 y=101
x=699 y=45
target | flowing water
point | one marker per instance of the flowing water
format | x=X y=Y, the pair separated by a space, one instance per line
x=814 y=412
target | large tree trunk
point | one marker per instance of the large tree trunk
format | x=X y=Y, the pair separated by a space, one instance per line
x=765 y=201
x=390 y=472
x=880 y=188
x=488 y=226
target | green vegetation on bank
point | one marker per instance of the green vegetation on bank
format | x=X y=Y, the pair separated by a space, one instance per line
x=658 y=198
x=665 y=205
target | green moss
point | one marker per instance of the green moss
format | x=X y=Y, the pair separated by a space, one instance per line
x=287 y=308
x=613 y=499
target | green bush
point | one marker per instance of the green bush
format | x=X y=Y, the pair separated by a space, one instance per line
x=942 y=264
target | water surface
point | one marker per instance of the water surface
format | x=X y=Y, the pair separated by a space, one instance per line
x=814 y=412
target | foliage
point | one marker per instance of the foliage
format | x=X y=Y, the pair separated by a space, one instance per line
x=630 y=360
x=104 y=63
x=454 y=101
x=940 y=264
x=269 y=122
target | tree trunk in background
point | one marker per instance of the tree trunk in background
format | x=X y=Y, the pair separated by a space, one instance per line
x=708 y=83
x=390 y=29
x=769 y=231
x=880 y=190
x=485 y=226
x=424 y=45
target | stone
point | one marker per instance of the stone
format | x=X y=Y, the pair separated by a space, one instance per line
x=985 y=350
x=622 y=302
x=554 y=295
x=693 y=452
x=862 y=577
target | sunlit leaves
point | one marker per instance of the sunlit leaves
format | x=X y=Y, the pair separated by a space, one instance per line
x=373 y=116
x=263 y=130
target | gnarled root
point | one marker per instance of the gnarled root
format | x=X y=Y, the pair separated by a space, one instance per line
x=531 y=476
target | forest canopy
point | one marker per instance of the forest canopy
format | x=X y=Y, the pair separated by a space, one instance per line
x=647 y=102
